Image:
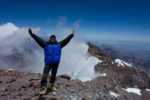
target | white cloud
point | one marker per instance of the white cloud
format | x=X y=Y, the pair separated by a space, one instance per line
x=16 y=47
x=7 y=29
x=77 y=62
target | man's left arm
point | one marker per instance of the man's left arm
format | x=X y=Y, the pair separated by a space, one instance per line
x=67 y=39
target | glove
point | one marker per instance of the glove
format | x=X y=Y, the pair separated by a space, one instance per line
x=30 y=31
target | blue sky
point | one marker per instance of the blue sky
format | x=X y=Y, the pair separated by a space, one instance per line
x=99 y=19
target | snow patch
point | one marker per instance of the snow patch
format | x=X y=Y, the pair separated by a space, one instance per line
x=113 y=94
x=119 y=62
x=133 y=90
x=147 y=90
x=122 y=63
x=10 y=69
x=103 y=74
x=127 y=64
x=112 y=62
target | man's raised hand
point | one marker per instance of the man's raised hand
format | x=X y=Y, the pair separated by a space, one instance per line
x=73 y=32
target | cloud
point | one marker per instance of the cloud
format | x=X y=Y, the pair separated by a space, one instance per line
x=7 y=29
x=76 y=24
x=20 y=52
x=60 y=21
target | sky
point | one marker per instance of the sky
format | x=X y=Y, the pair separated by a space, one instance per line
x=127 y=20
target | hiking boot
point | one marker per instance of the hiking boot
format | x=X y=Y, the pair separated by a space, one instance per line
x=51 y=87
x=43 y=90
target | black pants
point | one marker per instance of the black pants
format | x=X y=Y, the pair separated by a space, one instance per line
x=47 y=69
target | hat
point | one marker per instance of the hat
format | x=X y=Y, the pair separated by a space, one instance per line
x=53 y=36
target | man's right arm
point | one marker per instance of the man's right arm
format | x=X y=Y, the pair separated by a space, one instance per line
x=39 y=40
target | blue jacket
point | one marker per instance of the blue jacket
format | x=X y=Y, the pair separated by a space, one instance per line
x=52 y=53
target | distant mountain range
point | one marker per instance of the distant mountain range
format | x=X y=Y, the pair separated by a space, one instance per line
x=137 y=58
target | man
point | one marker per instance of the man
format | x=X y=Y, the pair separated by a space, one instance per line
x=52 y=51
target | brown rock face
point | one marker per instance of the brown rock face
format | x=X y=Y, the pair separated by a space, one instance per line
x=123 y=75
x=97 y=52
x=118 y=76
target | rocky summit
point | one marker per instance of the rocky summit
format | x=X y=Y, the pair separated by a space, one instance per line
x=116 y=80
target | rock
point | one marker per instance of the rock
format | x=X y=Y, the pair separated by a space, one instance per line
x=56 y=98
x=12 y=80
x=54 y=93
x=1 y=82
x=2 y=93
x=34 y=79
x=85 y=97
x=65 y=76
